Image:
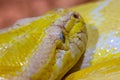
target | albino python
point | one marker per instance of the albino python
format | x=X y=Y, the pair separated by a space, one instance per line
x=46 y=47
x=42 y=48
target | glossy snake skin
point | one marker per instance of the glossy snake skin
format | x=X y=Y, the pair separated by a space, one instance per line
x=42 y=48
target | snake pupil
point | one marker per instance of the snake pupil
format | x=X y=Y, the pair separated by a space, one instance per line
x=62 y=37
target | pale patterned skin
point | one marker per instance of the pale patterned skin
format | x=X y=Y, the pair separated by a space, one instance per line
x=103 y=49
x=103 y=20
x=42 y=48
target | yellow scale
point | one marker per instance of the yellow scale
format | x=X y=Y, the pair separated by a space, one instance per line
x=103 y=26
x=18 y=44
x=103 y=21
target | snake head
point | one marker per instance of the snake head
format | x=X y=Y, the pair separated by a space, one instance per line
x=44 y=47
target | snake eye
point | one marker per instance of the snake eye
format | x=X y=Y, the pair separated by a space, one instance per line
x=62 y=37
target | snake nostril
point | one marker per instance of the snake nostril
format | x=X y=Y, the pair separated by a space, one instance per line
x=76 y=16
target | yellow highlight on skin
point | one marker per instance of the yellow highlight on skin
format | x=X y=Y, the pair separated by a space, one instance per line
x=18 y=44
